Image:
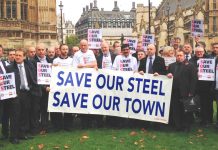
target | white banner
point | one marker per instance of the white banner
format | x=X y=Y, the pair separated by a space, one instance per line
x=206 y=69
x=7 y=86
x=132 y=44
x=169 y=60
x=94 y=38
x=197 y=28
x=43 y=73
x=108 y=92
x=146 y=40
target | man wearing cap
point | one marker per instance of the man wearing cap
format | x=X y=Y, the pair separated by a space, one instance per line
x=125 y=62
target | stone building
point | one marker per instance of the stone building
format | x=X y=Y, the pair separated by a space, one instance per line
x=181 y=13
x=25 y=23
x=113 y=23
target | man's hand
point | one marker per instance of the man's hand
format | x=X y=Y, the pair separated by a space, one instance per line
x=156 y=74
x=80 y=66
x=170 y=75
x=141 y=72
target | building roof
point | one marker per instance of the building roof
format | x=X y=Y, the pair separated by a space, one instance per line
x=69 y=24
x=173 y=4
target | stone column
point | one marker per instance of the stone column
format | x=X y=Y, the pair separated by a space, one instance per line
x=18 y=10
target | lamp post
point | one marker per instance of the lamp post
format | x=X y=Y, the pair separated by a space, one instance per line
x=62 y=34
x=149 y=17
x=168 y=23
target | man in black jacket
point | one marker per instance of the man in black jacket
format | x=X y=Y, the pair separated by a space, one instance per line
x=184 y=85
x=152 y=64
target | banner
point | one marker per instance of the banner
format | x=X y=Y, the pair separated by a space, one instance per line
x=108 y=92
x=197 y=28
x=7 y=86
x=146 y=40
x=169 y=60
x=132 y=44
x=43 y=73
x=206 y=69
x=94 y=38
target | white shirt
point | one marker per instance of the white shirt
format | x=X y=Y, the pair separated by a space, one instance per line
x=42 y=60
x=83 y=58
x=63 y=62
x=107 y=62
x=24 y=75
x=2 y=67
x=148 y=61
x=123 y=63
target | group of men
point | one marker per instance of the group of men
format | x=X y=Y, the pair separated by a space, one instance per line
x=27 y=113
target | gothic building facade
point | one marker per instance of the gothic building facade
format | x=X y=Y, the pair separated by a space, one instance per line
x=25 y=23
x=113 y=23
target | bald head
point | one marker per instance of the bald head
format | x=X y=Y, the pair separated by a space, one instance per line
x=151 y=50
x=51 y=52
x=105 y=47
x=40 y=50
x=31 y=52
x=83 y=45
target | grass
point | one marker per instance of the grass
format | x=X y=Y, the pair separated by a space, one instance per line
x=124 y=139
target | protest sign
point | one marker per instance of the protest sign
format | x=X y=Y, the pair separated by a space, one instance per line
x=94 y=38
x=7 y=86
x=108 y=92
x=169 y=60
x=147 y=39
x=197 y=28
x=132 y=44
x=206 y=69
x=43 y=73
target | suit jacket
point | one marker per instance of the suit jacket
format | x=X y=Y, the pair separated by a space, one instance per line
x=184 y=78
x=158 y=65
x=29 y=74
x=100 y=58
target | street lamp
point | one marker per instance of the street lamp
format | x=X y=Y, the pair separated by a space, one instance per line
x=168 y=23
x=62 y=34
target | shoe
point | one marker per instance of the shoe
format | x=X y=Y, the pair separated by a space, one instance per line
x=3 y=138
x=23 y=138
x=15 y=141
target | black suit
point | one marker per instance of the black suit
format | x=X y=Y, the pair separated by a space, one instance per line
x=184 y=85
x=20 y=106
x=40 y=104
x=100 y=58
x=158 y=65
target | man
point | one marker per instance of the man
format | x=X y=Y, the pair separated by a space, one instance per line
x=1 y=51
x=51 y=53
x=41 y=100
x=31 y=52
x=57 y=51
x=203 y=89
x=74 y=50
x=125 y=62
x=116 y=48
x=138 y=48
x=19 y=108
x=57 y=118
x=184 y=84
x=140 y=55
x=85 y=58
x=176 y=44
x=106 y=58
x=152 y=64
x=187 y=48
x=11 y=56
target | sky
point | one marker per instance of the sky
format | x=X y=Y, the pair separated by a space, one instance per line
x=73 y=8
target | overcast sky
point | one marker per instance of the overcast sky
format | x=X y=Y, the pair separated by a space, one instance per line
x=73 y=8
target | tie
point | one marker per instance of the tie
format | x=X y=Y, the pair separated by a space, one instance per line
x=150 y=70
x=186 y=57
x=22 y=83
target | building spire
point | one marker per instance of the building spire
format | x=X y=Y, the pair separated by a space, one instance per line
x=116 y=8
x=95 y=6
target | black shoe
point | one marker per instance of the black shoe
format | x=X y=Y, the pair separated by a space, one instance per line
x=15 y=141
x=23 y=138
x=4 y=138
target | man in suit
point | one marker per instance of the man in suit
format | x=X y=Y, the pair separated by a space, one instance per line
x=184 y=84
x=19 y=107
x=152 y=64
x=187 y=48
x=106 y=58
x=41 y=100
x=31 y=52
x=138 y=48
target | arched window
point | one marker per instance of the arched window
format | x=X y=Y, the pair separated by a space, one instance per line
x=23 y=7
x=11 y=8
